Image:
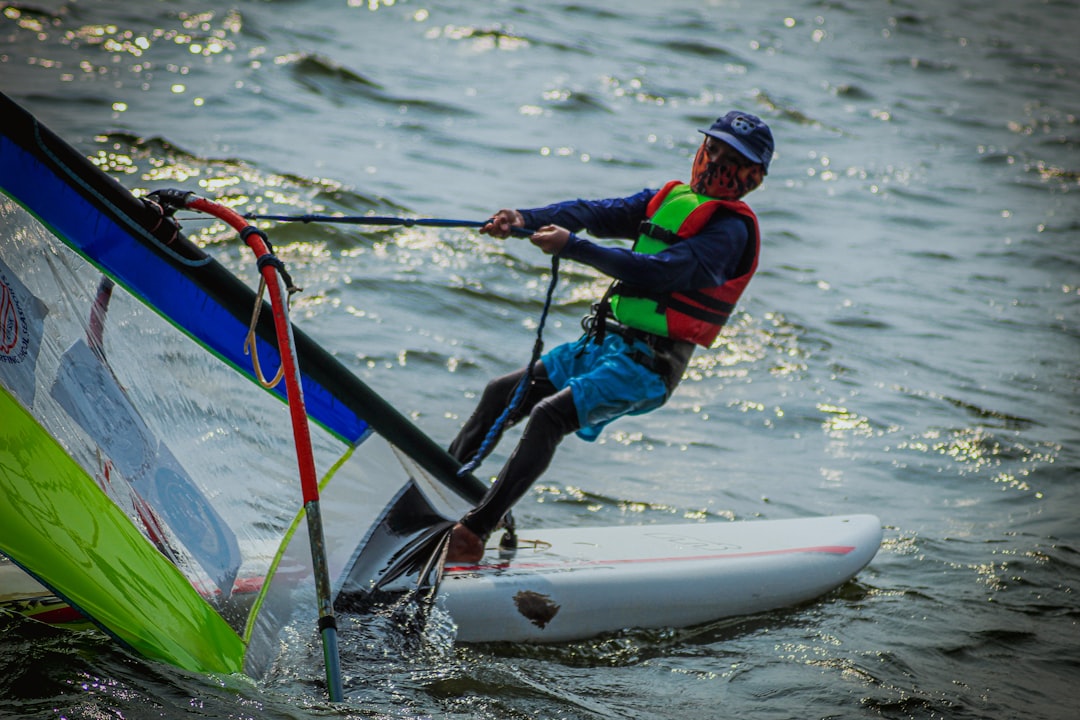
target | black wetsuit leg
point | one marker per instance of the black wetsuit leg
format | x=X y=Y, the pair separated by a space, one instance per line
x=495 y=399
x=551 y=419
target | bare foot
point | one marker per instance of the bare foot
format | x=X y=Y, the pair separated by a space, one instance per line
x=465 y=546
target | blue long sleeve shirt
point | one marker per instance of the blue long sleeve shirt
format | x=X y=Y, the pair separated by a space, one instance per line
x=707 y=259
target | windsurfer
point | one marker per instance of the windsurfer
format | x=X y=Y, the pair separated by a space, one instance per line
x=696 y=247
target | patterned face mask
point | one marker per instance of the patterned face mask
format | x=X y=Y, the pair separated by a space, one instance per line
x=724 y=179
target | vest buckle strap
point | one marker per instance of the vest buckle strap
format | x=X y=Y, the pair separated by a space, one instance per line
x=656 y=232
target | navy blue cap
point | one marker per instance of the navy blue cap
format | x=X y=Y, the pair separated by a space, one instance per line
x=746 y=133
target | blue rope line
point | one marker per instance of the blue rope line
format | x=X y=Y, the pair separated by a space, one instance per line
x=382 y=220
x=523 y=384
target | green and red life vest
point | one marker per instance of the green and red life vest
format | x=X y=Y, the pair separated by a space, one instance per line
x=677 y=212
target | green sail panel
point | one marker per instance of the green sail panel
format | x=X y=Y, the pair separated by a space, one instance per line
x=59 y=523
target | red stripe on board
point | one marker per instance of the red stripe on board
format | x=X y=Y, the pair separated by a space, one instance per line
x=828 y=549
x=58 y=616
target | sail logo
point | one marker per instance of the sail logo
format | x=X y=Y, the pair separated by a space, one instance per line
x=14 y=338
x=22 y=319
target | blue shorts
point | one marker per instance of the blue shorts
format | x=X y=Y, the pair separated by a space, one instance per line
x=605 y=380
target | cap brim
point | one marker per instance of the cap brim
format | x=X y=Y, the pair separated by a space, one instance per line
x=737 y=144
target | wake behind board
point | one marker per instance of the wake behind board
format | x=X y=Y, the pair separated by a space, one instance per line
x=581 y=582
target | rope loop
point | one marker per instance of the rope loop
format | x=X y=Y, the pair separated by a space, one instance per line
x=270 y=259
x=251 y=344
x=252 y=230
x=163 y=217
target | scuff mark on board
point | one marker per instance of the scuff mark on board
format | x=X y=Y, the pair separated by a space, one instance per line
x=539 y=609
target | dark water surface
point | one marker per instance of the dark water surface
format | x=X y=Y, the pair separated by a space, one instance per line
x=909 y=347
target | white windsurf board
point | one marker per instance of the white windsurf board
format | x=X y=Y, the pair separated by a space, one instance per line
x=576 y=583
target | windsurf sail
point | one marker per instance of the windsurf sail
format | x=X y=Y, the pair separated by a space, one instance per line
x=146 y=476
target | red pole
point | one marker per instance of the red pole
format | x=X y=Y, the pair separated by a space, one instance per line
x=305 y=456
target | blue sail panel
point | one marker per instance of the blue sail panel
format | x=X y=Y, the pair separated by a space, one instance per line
x=155 y=274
